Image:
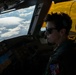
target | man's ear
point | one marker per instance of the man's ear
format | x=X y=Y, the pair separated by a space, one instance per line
x=62 y=32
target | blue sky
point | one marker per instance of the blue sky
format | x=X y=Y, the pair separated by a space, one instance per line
x=15 y=23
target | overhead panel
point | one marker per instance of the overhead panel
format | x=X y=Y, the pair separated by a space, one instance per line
x=18 y=4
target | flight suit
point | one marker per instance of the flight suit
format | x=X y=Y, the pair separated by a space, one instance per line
x=63 y=61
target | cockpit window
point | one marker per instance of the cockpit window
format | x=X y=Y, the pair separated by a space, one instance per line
x=15 y=23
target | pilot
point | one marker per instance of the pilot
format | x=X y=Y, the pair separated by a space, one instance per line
x=63 y=59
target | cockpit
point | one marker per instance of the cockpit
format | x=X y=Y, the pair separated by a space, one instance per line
x=23 y=45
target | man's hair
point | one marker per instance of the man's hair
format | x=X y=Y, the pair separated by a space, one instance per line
x=61 y=20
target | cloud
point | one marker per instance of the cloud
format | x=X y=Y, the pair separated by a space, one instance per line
x=11 y=32
x=10 y=20
x=15 y=31
x=32 y=7
x=8 y=34
x=2 y=28
x=25 y=14
x=27 y=11
x=22 y=11
x=26 y=22
x=0 y=32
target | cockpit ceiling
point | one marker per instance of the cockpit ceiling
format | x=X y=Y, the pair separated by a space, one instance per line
x=21 y=3
x=17 y=4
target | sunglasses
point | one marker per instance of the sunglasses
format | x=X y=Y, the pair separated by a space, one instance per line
x=49 y=30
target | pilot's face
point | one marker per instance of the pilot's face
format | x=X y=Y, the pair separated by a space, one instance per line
x=51 y=32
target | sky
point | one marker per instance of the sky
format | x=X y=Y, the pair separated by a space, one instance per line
x=15 y=23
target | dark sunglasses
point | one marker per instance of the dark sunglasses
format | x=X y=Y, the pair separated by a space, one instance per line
x=49 y=30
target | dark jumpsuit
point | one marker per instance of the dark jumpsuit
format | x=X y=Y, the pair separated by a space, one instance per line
x=63 y=61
